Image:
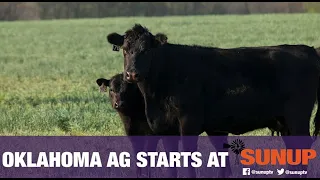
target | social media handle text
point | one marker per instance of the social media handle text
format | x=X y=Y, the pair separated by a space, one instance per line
x=248 y=172
x=279 y=172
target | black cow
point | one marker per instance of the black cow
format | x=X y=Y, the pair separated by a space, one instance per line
x=213 y=89
x=128 y=101
x=130 y=107
x=278 y=128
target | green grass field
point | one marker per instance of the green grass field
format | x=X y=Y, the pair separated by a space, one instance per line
x=48 y=68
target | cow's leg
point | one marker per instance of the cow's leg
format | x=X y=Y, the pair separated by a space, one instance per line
x=155 y=116
x=138 y=145
x=171 y=144
x=285 y=131
x=305 y=144
x=272 y=132
x=190 y=129
x=298 y=111
x=152 y=143
x=189 y=144
x=217 y=140
x=282 y=128
x=298 y=124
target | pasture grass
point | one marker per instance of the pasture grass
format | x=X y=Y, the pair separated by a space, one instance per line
x=48 y=68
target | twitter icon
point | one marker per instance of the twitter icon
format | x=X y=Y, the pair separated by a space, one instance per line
x=280 y=171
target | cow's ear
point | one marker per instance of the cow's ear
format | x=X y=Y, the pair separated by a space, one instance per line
x=102 y=81
x=162 y=38
x=103 y=84
x=115 y=39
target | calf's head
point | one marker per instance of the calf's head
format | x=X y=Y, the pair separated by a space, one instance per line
x=121 y=94
x=136 y=44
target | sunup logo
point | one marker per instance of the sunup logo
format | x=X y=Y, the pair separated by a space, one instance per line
x=236 y=146
x=276 y=156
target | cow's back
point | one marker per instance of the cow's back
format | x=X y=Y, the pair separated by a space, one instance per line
x=227 y=78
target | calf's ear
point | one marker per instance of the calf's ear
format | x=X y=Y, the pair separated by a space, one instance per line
x=115 y=39
x=162 y=38
x=103 y=84
x=102 y=81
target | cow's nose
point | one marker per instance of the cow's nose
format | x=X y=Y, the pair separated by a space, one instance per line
x=116 y=105
x=120 y=104
x=135 y=76
x=128 y=76
x=132 y=76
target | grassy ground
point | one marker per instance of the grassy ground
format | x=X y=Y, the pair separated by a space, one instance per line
x=48 y=68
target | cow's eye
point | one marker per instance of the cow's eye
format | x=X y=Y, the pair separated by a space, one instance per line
x=111 y=90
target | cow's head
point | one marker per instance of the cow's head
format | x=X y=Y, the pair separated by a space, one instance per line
x=121 y=93
x=136 y=42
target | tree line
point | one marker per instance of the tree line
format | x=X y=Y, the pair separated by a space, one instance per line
x=11 y=11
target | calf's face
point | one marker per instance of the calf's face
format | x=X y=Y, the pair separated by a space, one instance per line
x=136 y=44
x=121 y=93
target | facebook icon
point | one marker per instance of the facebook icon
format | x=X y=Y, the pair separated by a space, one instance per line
x=246 y=171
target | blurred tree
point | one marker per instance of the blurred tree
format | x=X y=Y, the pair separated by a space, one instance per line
x=11 y=11
x=312 y=7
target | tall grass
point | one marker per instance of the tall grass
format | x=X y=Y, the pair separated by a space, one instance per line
x=48 y=68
